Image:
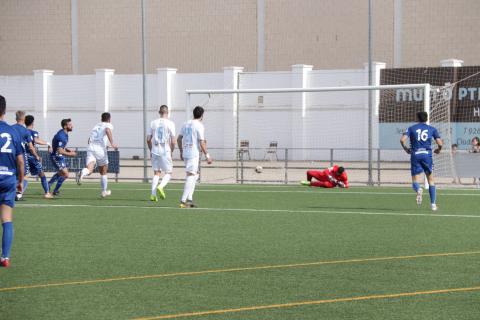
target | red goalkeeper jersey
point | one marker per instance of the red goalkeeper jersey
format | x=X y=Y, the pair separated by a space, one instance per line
x=333 y=172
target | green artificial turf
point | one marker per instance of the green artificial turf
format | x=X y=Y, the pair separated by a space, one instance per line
x=124 y=257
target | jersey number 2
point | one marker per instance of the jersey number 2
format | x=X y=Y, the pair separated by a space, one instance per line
x=5 y=148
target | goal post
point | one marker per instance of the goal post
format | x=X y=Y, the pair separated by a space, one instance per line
x=254 y=113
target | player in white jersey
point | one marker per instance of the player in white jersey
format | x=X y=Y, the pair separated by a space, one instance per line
x=191 y=142
x=100 y=136
x=161 y=142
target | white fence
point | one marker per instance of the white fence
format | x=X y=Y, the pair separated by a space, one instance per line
x=293 y=120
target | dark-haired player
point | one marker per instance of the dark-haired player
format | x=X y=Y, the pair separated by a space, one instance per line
x=420 y=136
x=33 y=159
x=97 y=154
x=191 y=143
x=59 y=151
x=11 y=180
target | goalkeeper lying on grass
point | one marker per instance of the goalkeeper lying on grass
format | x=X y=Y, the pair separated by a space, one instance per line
x=328 y=178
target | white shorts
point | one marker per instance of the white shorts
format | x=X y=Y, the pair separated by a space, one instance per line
x=191 y=165
x=162 y=163
x=97 y=153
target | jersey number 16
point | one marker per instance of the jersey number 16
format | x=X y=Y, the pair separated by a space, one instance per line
x=422 y=135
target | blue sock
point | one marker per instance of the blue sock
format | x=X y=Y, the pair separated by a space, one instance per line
x=44 y=184
x=7 y=239
x=415 y=186
x=25 y=184
x=433 y=194
x=59 y=184
x=53 y=179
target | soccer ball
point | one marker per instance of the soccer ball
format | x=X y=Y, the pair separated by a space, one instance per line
x=258 y=169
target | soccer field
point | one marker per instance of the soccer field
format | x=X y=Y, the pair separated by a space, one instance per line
x=248 y=252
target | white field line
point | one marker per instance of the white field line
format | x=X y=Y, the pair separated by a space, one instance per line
x=283 y=191
x=193 y=210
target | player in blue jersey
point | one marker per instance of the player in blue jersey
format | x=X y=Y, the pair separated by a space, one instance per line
x=11 y=180
x=27 y=145
x=420 y=136
x=33 y=159
x=59 y=151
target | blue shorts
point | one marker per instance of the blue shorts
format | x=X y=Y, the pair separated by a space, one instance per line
x=8 y=190
x=58 y=162
x=421 y=163
x=35 y=165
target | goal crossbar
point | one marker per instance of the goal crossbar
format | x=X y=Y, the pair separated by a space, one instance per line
x=425 y=86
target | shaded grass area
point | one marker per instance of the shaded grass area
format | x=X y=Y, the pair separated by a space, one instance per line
x=80 y=237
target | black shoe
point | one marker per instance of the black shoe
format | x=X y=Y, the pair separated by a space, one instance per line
x=190 y=204
x=56 y=193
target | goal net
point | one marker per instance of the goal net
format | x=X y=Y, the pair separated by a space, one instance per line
x=284 y=132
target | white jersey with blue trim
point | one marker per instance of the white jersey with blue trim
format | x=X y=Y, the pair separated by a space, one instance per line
x=192 y=133
x=98 y=134
x=162 y=131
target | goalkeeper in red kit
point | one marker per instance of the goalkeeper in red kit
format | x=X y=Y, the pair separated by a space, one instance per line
x=328 y=178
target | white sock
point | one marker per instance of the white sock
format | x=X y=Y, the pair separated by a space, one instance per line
x=165 y=180
x=189 y=183
x=192 y=188
x=104 y=182
x=154 y=184
x=85 y=172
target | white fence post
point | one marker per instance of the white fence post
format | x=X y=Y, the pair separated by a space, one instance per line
x=41 y=81
x=230 y=113
x=299 y=79
x=166 y=83
x=376 y=72
x=103 y=80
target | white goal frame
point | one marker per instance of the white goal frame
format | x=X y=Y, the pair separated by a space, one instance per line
x=426 y=106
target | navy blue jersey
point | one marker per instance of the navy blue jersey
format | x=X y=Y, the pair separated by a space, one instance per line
x=60 y=140
x=24 y=135
x=10 y=148
x=420 y=136
x=33 y=135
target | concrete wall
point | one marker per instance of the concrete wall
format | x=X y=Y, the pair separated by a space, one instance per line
x=294 y=120
x=205 y=35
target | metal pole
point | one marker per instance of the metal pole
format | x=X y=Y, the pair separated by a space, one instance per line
x=144 y=88
x=286 y=165
x=370 y=107
x=378 y=167
x=237 y=129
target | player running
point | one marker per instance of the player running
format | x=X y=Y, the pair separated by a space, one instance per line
x=161 y=142
x=329 y=178
x=11 y=180
x=191 y=141
x=59 y=151
x=420 y=151
x=26 y=142
x=33 y=159
x=97 y=154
